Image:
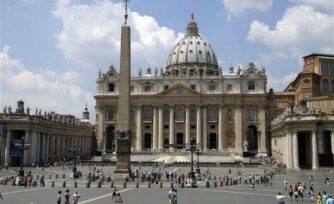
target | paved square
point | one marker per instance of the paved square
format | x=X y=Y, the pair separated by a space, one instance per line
x=241 y=193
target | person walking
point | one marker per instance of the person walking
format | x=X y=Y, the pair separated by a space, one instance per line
x=290 y=192
x=319 y=198
x=175 y=196
x=324 y=197
x=76 y=197
x=330 y=200
x=280 y=198
x=171 y=196
x=67 y=196
x=59 y=197
x=311 y=193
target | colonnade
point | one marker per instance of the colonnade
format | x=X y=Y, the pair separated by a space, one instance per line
x=45 y=146
x=201 y=131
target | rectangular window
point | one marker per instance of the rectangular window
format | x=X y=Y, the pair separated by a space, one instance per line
x=229 y=87
x=212 y=87
x=147 y=88
x=166 y=87
x=193 y=126
x=111 y=87
x=131 y=88
x=252 y=115
x=251 y=85
x=193 y=87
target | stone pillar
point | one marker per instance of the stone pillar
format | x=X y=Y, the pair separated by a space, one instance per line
x=187 y=124
x=263 y=140
x=288 y=151
x=315 y=159
x=47 y=146
x=155 y=127
x=238 y=127
x=220 y=128
x=7 y=148
x=295 y=150
x=26 y=152
x=205 y=125
x=161 y=127
x=171 y=126
x=38 y=149
x=332 y=140
x=139 y=129
x=198 y=126
x=34 y=147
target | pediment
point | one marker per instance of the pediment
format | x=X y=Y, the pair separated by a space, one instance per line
x=179 y=90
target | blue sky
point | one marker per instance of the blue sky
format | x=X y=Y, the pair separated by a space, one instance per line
x=51 y=51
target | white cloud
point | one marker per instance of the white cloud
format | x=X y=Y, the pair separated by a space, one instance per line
x=238 y=8
x=302 y=30
x=43 y=89
x=268 y=58
x=323 y=4
x=90 y=35
x=280 y=83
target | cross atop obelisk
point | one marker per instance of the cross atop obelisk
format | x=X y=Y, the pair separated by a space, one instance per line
x=126 y=11
x=123 y=134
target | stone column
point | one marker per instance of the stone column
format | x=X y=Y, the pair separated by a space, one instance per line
x=26 y=157
x=139 y=129
x=33 y=146
x=187 y=124
x=220 y=128
x=47 y=146
x=262 y=118
x=161 y=127
x=205 y=125
x=288 y=146
x=238 y=127
x=7 y=148
x=38 y=149
x=332 y=140
x=198 y=126
x=315 y=159
x=295 y=150
x=155 y=127
x=171 y=126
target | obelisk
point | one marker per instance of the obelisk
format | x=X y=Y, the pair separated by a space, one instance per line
x=123 y=134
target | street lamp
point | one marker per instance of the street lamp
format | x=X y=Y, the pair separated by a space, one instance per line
x=74 y=148
x=22 y=146
x=198 y=170
x=192 y=179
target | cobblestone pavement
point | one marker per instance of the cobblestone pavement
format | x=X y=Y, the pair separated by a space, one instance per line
x=241 y=193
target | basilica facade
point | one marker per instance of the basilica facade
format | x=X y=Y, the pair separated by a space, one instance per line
x=190 y=98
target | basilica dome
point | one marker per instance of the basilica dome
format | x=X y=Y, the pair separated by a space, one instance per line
x=192 y=54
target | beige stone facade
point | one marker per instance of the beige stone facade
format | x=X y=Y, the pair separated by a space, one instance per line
x=50 y=136
x=303 y=135
x=190 y=98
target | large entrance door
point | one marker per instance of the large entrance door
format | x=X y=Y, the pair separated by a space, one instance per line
x=147 y=141
x=110 y=143
x=212 y=141
x=325 y=150
x=179 y=139
x=304 y=148
x=252 y=139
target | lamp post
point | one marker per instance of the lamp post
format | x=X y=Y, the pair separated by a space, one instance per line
x=198 y=170
x=22 y=146
x=74 y=149
x=192 y=179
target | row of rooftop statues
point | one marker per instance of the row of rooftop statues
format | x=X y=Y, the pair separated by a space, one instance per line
x=51 y=116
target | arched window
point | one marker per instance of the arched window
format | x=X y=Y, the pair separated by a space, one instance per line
x=229 y=115
x=251 y=85
x=325 y=86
